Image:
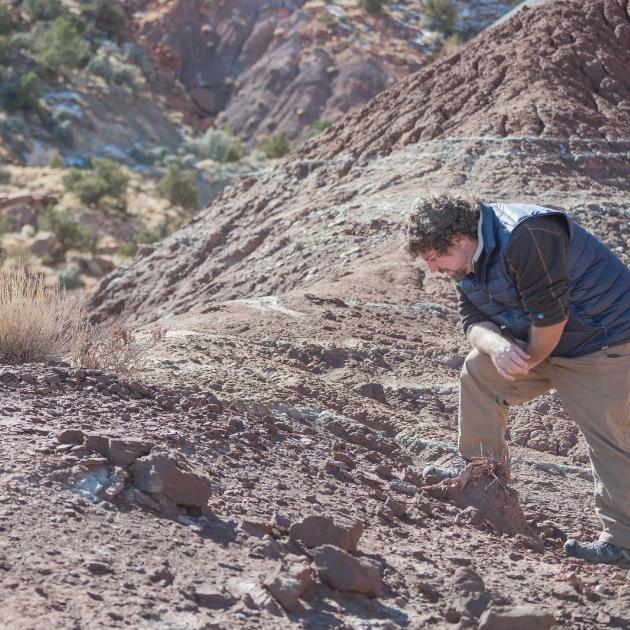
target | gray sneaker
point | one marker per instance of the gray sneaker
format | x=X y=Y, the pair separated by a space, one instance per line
x=597 y=552
x=434 y=474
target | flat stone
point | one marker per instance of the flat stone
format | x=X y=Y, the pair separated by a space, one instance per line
x=315 y=530
x=526 y=617
x=404 y=487
x=209 y=596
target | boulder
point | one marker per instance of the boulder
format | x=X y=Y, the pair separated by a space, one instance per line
x=344 y=572
x=314 y=531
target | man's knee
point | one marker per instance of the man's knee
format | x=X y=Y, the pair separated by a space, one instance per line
x=478 y=364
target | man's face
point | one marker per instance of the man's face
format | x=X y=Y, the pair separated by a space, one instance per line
x=456 y=262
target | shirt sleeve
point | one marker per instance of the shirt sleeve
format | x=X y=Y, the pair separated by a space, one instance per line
x=469 y=314
x=537 y=260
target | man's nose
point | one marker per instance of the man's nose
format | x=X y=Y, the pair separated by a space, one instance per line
x=432 y=266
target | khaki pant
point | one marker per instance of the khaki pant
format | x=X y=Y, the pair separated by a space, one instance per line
x=595 y=391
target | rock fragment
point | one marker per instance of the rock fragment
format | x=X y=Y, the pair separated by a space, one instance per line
x=124 y=452
x=525 y=617
x=344 y=572
x=209 y=596
x=288 y=585
x=315 y=530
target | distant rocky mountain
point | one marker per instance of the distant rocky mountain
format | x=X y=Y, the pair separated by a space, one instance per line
x=282 y=66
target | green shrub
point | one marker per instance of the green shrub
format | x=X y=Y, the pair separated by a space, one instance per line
x=218 y=144
x=275 y=146
x=7 y=23
x=6 y=226
x=68 y=278
x=56 y=160
x=106 y=179
x=5 y=175
x=71 y=234
x=107 y=16
x=372 y=6
x=23 y=94
x=147 y=235
x=37 y=10
x=178 y=186
x=441 y=15
x=317 y=127
x=115 y=71
x=5 y=49
x=61 y=47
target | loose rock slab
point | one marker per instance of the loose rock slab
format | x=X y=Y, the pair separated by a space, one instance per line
x=159 y=474
x=517 y=618
x=314 y=531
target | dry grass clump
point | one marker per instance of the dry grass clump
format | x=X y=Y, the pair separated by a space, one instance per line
x=112 y=347
x=41 y=322
x=38 y=322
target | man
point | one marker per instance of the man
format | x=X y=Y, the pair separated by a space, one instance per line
x=545 y=305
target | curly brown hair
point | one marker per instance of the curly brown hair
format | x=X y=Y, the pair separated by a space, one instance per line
x=435 y=220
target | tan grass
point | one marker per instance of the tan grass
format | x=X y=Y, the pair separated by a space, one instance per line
x=112 y=347
x=38 y=322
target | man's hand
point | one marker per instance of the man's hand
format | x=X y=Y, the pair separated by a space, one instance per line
x=509 y=359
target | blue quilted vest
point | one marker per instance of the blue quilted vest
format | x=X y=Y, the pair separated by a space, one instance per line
x=599 y=284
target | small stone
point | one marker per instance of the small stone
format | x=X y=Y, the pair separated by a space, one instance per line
x=96 y=567
x=343 y=572
x=209 y=596
x=71 y=436
x=397 y=508
x=404 y=487
x=525 y=617
x=281 y=521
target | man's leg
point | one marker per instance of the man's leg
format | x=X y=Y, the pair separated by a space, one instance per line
x=484 y=400
x=595 y=390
